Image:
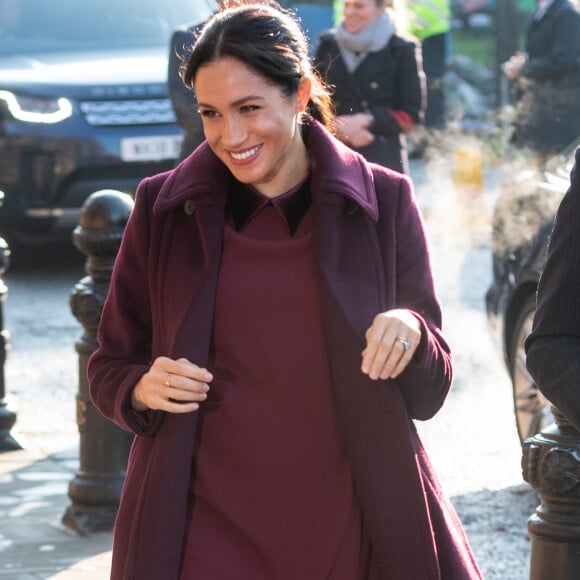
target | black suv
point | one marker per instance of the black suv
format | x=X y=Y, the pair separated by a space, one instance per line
x=83 y=105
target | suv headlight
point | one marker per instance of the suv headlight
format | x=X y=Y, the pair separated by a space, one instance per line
x=36 y=109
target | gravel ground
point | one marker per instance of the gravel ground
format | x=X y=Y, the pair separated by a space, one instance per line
x=472 y=442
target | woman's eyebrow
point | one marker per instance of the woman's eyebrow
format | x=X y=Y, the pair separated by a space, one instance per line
x=235 y=103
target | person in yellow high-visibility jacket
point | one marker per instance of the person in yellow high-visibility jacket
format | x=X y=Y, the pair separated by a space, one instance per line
x=337 y=8
x=430 y=22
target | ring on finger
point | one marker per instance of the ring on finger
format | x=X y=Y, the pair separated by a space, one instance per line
x=405 y=342
x=167 y=379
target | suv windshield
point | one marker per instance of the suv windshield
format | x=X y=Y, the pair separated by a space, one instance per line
x=33 y=26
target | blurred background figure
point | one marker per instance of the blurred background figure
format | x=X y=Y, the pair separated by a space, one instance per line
x=430 y=22
x=377 y=81
x=182 y=97
x=547 y=79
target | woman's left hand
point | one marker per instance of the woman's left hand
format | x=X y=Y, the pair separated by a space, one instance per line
x=392 y=340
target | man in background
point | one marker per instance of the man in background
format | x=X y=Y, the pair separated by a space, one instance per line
x=430 y=22
x=547 y=81
x=182 y=97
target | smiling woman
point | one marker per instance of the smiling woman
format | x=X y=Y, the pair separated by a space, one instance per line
x=270 y=349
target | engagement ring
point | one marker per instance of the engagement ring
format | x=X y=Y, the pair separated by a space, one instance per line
x=406 y=344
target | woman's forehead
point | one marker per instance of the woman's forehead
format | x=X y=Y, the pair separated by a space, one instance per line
x=229 y=80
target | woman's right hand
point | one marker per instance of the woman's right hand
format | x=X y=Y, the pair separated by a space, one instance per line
x=175 y=386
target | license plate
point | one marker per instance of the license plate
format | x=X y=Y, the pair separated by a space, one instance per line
x=151 y=148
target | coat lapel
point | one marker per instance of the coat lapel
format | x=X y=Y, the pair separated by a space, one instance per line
x=193 y=229
x=377 y=432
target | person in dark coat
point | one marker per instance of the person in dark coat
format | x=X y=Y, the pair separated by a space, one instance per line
x=183 y=98
x=553 y=347
x=430 y=22
x=270 y=334
x=547 y=76
x=377 y=81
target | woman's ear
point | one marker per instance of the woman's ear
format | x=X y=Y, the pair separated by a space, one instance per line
x=303 y=93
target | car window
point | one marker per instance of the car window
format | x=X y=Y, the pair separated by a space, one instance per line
x=65 y=25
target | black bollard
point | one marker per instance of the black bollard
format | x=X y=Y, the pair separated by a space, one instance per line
x=96 y=488
x=551 y=465
x=7 y=412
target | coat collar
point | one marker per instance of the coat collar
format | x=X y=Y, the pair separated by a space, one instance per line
x=200 y=177
x=338 y=174
x=339 y=171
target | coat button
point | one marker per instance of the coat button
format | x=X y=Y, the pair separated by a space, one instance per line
x=351 y=208
x=374 y=85
x=189 y=207
x=364 y=104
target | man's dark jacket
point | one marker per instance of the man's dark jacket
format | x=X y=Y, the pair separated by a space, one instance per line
x=547 y=112
x=553 y=348
x=182 y=97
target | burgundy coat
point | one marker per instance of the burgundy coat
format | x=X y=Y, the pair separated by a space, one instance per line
x=373 y=257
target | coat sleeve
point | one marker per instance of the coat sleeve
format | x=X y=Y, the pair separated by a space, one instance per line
x=409 y=92
x=553 y=347
x=125 y=329
x=425 y=383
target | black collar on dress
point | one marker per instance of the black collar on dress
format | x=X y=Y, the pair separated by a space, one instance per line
x=244 y=202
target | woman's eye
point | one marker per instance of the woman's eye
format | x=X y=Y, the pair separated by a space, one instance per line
x=208 y=114
x=249 y=108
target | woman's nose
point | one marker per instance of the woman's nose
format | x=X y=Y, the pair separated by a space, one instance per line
x=234 y=132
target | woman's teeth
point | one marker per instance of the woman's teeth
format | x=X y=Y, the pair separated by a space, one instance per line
x=244 y=155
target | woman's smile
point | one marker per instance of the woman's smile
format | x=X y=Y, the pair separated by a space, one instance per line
x=245 y=156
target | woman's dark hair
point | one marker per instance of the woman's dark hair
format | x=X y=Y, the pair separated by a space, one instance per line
x=268 y=40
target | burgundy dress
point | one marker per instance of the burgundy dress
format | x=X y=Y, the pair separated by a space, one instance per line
x=272 y=495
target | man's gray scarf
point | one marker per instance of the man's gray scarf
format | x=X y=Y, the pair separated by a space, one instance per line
x=372 y=38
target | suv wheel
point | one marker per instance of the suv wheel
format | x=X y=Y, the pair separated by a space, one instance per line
x=532 y=409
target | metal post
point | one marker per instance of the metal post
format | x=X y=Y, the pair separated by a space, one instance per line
x=551 y=465
x=96 y=489
x=7 y=412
